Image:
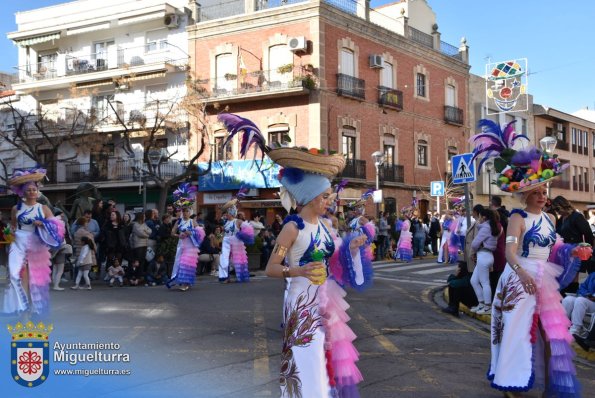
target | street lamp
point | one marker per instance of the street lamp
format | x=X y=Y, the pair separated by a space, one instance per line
x=154 y=156
x=488 y=166
x=378 y=158
x=548 y=145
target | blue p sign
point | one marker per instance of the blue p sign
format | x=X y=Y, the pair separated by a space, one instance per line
x=437 y=188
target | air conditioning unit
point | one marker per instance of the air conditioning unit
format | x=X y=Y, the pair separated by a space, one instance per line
x=559 y=126
x=376 y=61
x=171 y=21
x=296 y=44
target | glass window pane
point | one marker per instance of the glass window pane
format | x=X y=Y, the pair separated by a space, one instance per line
x=347 y=62
x=387 y=75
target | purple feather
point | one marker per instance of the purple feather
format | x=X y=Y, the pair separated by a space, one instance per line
x=368 y=193
x=251 y=133
x=522 y=158
x=341 y=186
x=242 y=192
x=508 y=133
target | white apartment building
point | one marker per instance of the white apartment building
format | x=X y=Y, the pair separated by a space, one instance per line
x=105 y=64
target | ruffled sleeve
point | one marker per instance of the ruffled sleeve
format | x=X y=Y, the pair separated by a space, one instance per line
x=197 y=235
x=357 y=264
x=52 y=231
x=246 y=233
x=561 y=254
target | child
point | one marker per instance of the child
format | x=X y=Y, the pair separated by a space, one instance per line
x=115 y=271
x=84 y=262
x=156 y=274
x=135 y=274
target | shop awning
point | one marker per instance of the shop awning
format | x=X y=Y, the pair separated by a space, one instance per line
x=37 y=39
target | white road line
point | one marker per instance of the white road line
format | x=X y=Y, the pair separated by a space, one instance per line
x=410 y=281
x=435 y=271
x=398 y=267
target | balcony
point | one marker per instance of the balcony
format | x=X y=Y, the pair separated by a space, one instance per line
x=73 y=68
x=453 y=115
x=391 y=173
x=390 y=98
x=286 y=80
x=562 y=145
x=349 y=86
x=354 y=168
x=123 y=170
x=561 y=184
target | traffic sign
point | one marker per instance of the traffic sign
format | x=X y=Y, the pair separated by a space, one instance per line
x=437 y=188
x=463 y=169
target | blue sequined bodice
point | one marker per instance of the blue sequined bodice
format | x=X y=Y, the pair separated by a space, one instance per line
x=312 y=237
x=27 y=214
x=539 y=236
x=185 y=225
x=230 y=227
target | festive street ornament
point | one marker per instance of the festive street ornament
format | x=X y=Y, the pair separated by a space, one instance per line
x=506 y=86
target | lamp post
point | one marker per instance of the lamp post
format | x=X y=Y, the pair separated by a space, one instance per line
x=154 y=156
x=548 y=145
x=488 y=166
x=378 y=158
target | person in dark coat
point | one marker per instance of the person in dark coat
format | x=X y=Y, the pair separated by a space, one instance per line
x=496 y=204
x=460 y=290
x=434 y=233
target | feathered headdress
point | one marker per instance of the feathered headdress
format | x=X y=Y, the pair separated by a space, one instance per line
x=185 y=195
x=520 y=170
x=363 y=199
x=239 y=196
x=20 y=177
x=251 y=135
x=493 y=142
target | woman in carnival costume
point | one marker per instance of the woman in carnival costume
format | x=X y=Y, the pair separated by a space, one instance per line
x=190 y=237
x=530 y=338
x=35 y=231
x=238 y=234
x=318 y=356
x=405 y=244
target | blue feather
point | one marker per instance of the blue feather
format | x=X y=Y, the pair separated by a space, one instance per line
x=251 y=133
x=293 y=175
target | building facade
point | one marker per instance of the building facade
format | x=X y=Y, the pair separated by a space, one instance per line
x=339 y=76
x=107 y=73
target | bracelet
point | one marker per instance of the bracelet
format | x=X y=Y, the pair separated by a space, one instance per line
x=516 y=267
x=512 y=239
x=279 y=250
x=286 y=272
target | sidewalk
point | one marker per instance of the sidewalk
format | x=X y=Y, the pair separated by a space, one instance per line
x=588 y=355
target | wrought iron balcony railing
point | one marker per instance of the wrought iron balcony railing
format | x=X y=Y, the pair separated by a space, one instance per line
x=453 y=115
x=350 y=86
x=390 y=98
x=355 y=168
x=391 y=173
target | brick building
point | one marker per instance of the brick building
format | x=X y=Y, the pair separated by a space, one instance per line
x=339 y=76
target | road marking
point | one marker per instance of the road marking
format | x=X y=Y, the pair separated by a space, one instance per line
x=407 y=267
x=435 y=271
x=261 y=357
x=435 y=284
x=380 y=338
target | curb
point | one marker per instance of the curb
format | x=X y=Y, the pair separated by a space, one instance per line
x=487 y=319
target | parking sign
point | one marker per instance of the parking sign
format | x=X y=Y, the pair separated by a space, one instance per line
x=437 y=188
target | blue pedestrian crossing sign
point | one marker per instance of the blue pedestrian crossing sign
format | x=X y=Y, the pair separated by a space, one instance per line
x=463 y=170
x=437 y=188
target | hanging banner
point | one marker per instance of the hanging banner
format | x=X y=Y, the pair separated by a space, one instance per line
x=506 y=86
x=234 y=174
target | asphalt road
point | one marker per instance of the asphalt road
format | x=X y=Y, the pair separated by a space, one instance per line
x=225 y=340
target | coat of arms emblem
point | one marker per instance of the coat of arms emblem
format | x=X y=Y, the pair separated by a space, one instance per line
x=30 y=353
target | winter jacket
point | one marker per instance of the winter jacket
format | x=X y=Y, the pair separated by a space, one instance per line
x=484 y=238
x=139 y=236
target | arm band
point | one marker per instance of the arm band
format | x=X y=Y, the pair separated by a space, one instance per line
x=280 y=250
x=512 y=239
x=286 y=272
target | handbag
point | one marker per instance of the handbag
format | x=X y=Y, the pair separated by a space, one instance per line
x=150 y=254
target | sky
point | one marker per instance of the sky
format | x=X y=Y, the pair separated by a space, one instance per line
x=555 y=37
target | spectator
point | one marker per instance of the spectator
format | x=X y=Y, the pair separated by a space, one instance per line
x=460 y=290
x=496 y=204
x=443 y=250
x=435 y=233
x=462 y=227
x=97 y=213
x=157 y=271
x=209 y=254
x=152 y=221
x=114 y=238
x=588 y=342
x=382 y=237
x=169 y=209
x=419 y=237
x=92 y=225
x=342 y=225
x=138 y=240
x=577 y=306
x=134 y=274
x=257 y=224
x=81 y=231
x=115 y=272
x=482 y=250
x=277 y=225
x=471 y=233
x=86 y=259
x=268 y=243
x=573 y=227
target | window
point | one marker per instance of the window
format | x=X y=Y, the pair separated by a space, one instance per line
x=452 y=151
x=421 y=85
x=349 y=146
x=593 y=142
x=103 y=54
x=387 y=75
x=585 y=143
x=279 y=59
x=156 y=40
x=278 y=136
x=101 y=107
x=422 y=153
x=451 y=93
x=225 y=72
x=389 y=154
x=347 y=62
x=220 y=153
x=573 y=139
x=523 y=126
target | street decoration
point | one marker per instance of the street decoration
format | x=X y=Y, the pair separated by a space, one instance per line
x=506 y=86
